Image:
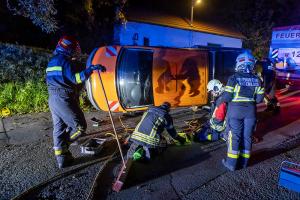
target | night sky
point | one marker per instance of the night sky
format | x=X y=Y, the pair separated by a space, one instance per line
x=19 y=29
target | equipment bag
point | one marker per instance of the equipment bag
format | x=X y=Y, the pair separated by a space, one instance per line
x=289 y=176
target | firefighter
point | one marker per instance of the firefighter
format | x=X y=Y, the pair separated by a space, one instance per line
x=242 y=92
x=63 y=79
x=146 y=137
x=269 y=83
x=213 y=129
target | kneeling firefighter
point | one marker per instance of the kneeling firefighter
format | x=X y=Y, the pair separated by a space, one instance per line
x=214 y=128
x=242 y=92
x=147 y=134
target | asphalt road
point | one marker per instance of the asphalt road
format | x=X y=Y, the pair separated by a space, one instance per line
x=189 y=172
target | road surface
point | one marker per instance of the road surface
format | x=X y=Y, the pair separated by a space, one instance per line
x=189 y=172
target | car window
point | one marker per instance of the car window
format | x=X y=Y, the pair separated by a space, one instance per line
x=134 y=77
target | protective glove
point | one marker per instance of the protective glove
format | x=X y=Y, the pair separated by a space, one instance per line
x=98 y=67
x=91 y=68
x=180 y=139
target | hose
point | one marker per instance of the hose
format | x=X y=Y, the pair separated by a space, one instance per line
x=43 y=184
x=91 y=192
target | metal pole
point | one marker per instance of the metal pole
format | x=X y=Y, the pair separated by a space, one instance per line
x=111 y=119
x=192 y=13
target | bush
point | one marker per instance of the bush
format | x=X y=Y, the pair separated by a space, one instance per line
x=22 y=80
x=28 y=97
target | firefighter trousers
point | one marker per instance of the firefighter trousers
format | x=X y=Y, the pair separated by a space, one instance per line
x=68 y=119
x=206 y=133
x=239 y=141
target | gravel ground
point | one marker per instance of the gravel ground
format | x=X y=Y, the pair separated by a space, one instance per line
x=256 y=182
x=197 y=175
x=27 y=159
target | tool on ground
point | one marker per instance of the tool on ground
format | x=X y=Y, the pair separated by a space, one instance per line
x=118 y=184
x=111 y=119
x=289 y=176
x=4 y=112
x=92 y=146
x=96 y=122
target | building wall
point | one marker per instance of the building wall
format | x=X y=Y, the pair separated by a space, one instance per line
x=169 y=37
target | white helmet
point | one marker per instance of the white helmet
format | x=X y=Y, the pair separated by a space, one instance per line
x=216 y=87
x=245 y=62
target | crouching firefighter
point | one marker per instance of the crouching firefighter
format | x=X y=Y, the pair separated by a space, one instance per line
x=243 y=91
x=214 y=128
x=146 y=137
x=63 y=82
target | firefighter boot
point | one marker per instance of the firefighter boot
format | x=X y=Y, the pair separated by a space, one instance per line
x=231 y=168
x=64 y=160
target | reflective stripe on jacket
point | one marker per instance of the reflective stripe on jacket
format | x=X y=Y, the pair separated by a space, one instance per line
x=218 y=115
x=149 y=129
x=61 y=74
x=244 y=88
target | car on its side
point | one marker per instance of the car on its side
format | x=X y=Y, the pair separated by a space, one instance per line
x=138 y=77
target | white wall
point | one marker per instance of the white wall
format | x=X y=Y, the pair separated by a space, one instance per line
x=169 y=37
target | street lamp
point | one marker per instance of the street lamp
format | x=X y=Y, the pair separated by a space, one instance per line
x=194 y=3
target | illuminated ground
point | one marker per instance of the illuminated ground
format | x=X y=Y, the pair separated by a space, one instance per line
x=190 y=172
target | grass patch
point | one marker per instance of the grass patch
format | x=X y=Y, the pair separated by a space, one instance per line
x=30 y=97
x=21 y=98
x=22 y=79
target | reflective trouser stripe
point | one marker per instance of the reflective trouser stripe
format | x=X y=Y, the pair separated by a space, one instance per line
x=209 y=137
x=231 y=153
x=76 y=134
x=58 y=152
x=77 y=77
x=230 y=141
x=245 y=155
x=234 y=156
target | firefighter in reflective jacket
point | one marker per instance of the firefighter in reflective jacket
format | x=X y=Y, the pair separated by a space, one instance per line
x=63 y=80
x=242 y=92
x=147 y=134
x=214 y=128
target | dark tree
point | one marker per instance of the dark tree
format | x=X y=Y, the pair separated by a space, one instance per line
x=90 y=20
x=256 y=18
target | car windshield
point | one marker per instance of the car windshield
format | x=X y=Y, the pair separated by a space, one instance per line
x=134 y=77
